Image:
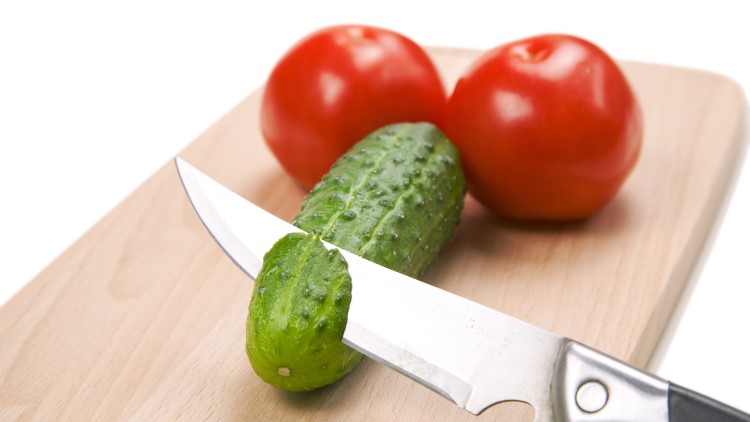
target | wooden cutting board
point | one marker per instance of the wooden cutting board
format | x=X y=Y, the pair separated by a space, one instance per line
x=143 y=318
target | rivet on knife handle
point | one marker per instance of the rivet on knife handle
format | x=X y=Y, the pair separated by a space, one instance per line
x=591 y=386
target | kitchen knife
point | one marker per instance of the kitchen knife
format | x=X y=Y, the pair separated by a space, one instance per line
x=469 y=353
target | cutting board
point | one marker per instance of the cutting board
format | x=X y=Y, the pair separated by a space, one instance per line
x=143 y=318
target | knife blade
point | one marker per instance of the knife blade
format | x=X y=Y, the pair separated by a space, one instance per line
x=473 y=355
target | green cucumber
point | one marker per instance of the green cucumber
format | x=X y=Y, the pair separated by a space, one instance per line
x=298 y=313
x=394 y=199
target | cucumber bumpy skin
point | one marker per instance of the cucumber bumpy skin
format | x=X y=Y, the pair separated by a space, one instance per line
x=394 y=199
x=298 y=313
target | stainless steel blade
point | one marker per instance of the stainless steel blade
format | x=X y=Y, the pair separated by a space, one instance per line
x=469 y=353
x=243 y=230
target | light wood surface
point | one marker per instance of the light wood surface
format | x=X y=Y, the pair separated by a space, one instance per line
x=143 y=318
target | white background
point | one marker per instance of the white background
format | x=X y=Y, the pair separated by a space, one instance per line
x=95 y=96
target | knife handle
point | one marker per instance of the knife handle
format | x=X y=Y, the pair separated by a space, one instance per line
x=688 y=406
x=592 y=386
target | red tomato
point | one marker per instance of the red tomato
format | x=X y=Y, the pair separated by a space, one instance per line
x=548 y=128
x=339 y=84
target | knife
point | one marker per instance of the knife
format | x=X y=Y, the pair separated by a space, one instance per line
x=473 y=355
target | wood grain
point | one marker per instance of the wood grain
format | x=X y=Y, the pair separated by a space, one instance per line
x=143 y=318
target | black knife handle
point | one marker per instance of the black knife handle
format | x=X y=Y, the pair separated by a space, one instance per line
x=688 y=406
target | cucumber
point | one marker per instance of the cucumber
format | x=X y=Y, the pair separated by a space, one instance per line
x=394 y=198
x=298 y=313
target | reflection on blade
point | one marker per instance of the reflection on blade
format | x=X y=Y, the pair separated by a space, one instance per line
x=471 y=354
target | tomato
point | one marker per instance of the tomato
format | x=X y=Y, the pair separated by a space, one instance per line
x=548 y=128
x=339 y=84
